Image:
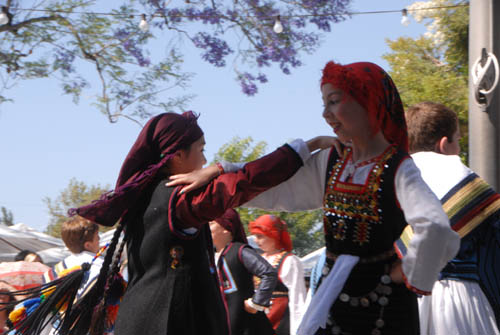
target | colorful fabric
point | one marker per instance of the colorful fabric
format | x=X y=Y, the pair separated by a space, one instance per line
x=22 y=275
x=231 y=222
x=375 y=91
x=156 y=144
x=273 y=227
x=470 y=203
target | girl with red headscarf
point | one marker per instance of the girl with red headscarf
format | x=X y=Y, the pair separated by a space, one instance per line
x=272 y=237
x=369 y=192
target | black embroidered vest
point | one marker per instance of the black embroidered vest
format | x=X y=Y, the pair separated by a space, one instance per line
x=362 y=220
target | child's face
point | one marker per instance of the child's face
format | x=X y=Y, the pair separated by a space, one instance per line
x=194 y=158
x=219 y=234
x=265 y=243
x=347 y=118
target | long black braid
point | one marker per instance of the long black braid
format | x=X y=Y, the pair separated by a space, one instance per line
x=81 y=316
x=113 y=290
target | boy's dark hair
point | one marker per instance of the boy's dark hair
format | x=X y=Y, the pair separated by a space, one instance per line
x=76 y=231
x=427 y=123
x=21 y=255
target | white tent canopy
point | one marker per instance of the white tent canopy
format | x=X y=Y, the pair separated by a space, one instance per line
x=16 y=238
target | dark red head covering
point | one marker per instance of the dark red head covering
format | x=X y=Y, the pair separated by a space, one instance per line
x=156 y=144
x=231 y=222
x=374 y=90
x=273 y=227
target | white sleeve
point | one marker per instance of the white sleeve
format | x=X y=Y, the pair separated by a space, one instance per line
x=292 y=275
x=434 y=243
x=303 y=191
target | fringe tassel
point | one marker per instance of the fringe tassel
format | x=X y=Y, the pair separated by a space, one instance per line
x=42 y=304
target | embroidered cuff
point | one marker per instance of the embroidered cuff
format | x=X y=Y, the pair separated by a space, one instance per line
x=412 y=288
x=255 y=306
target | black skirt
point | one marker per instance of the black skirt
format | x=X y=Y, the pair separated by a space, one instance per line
x=371 y=304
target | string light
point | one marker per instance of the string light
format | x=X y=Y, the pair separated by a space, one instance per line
x=405 y=21
x=143 y=25
x=4 y=17
x=278 y=27
x=178 y=15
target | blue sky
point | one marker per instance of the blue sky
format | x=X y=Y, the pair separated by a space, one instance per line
x=45 y=140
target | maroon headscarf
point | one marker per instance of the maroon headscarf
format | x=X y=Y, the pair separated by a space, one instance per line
x=230 y=221
x=156 y=144
x=374 y=90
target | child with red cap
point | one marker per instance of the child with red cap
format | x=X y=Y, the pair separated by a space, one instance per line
x=237 y=264
x=271 y=235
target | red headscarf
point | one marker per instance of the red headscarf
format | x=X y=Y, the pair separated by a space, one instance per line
x=273 y=227
x=231 y=222
x=374 y=90
x=156 y=144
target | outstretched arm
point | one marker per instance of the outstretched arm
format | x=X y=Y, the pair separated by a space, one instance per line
x=200 y=178
x=232 y=189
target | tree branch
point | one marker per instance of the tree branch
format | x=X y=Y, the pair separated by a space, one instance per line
x=17 y=26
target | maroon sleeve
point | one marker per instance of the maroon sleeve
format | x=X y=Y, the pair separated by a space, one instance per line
x=234 y=189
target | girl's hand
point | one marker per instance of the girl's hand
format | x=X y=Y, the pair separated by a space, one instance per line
x=324 y=142
x=396 y=273
x=249 y=308
x=194 y=179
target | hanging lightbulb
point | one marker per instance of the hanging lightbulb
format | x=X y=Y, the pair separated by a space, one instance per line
x=405 y=21
x=278 y=27
x=4 y=18
x=143 y=25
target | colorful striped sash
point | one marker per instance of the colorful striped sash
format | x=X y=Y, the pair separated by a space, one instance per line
x=468 y=204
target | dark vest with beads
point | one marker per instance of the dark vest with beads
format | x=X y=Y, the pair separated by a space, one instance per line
x=363 y=219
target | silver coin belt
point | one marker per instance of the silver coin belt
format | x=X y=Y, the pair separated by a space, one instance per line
x=377 y=296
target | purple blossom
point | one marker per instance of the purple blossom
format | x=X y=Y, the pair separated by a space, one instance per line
x=247 y=84
x=262 y=78
x=64 y=61
x=216 y=49
x=174 y=15
x=131 y=45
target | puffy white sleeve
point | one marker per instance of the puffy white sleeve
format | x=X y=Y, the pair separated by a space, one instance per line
x=434 y=243
x=292 y=275
x=304 y=191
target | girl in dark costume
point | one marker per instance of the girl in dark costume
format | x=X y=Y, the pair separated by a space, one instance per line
x=173 y=286
x=237 y=263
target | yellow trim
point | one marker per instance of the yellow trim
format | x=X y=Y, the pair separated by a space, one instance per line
x=463 y=196
x=407 y=235
x=492 y=208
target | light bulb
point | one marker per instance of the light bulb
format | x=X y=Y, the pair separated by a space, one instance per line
x=143 y=25
x=278 y=27
x=405 y=21
x=4 y=19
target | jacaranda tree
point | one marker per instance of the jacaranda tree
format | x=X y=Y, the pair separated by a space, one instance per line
x=110 y=44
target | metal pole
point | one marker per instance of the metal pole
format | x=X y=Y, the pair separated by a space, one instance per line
x=484 y=140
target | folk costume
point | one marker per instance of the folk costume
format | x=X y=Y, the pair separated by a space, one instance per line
x=173 y=286
x=237 y=263
x=466 y=299
x=290 y=292
x=366 y=207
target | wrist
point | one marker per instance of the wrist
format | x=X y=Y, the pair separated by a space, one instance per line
x=220 y=168
x=255 y=306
